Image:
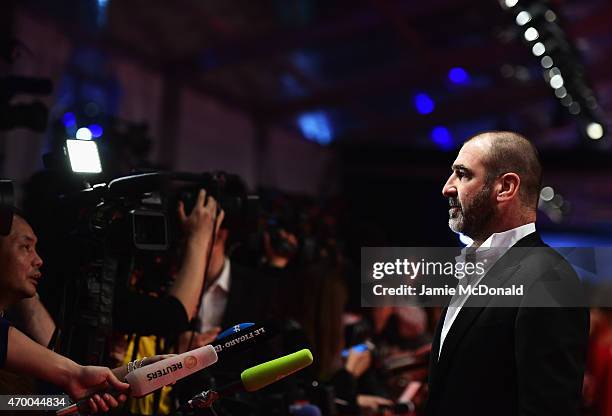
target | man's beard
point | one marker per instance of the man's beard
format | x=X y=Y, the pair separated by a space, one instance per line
x=472 y=220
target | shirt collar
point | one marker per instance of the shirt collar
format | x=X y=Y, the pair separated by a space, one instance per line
x=501 y=241
x=508 y=238
x=223 y=281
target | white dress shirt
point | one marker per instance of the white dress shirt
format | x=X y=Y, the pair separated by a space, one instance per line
x=214 y=300
x=490 y=251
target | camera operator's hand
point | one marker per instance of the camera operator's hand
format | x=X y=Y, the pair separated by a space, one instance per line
x=87 y=380
x=198 y=225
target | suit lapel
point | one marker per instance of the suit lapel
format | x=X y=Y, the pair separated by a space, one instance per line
x=501 y=271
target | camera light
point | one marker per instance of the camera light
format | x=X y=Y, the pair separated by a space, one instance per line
x=83 y=156
x=83 y=134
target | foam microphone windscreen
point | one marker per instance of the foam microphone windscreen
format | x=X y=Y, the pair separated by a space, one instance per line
x=154 y=376
x=261 y=375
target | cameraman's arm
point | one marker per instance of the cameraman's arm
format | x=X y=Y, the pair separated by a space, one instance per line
x=198 y=227
x=32 y=318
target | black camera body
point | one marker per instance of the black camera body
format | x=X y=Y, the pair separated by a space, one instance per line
x=125 y=235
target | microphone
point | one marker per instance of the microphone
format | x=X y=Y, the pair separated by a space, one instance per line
x=149 y=378
x=154 y=376
x=262 y=375
x=244 y=338
x=234 y=329
x=255 y=378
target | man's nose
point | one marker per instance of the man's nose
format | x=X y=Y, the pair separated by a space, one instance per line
x=449 y=190
x=38 y=262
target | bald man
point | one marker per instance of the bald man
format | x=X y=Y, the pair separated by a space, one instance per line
x=499 y=355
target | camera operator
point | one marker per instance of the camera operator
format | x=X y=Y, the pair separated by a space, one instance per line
x=19 y=278
x=132 y=312
x=171 y=314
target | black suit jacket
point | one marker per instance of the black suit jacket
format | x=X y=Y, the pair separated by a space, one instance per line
x=516 y=359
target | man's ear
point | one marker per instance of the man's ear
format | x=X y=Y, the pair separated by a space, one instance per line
x=508 y=187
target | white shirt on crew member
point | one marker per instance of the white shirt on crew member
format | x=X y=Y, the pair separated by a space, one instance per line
x=214 y=300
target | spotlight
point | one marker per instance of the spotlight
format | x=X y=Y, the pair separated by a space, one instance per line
x=546 y=62
x=458 y=75
x=594 y=130
x=561 y=92
x=567 y=100
x=96 y=130
x=423 y=103
x=591 y=102
x=442 y=137
x=547 y=193
x=510 y=3
x=538 y=49
x=550 y=16
x=556 y=81
x=574 y=108
x=522 y=18
x=531 y=34
x=83 y=156
x=69 y=119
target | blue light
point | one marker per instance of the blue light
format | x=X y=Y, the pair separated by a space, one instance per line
x=442 y=137
x=69 y=119
x=102 y=5
x=458 y=75
x=315 y=127
x=423 y=103
x=96 y=130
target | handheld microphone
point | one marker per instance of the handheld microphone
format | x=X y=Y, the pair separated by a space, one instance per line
x=154 y=376
x=255 y=378
x=234 y=329
x=244 y=338
x=149 y=378
x=262 y=375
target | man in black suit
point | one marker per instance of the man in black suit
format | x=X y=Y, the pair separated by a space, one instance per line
x=500 y=355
